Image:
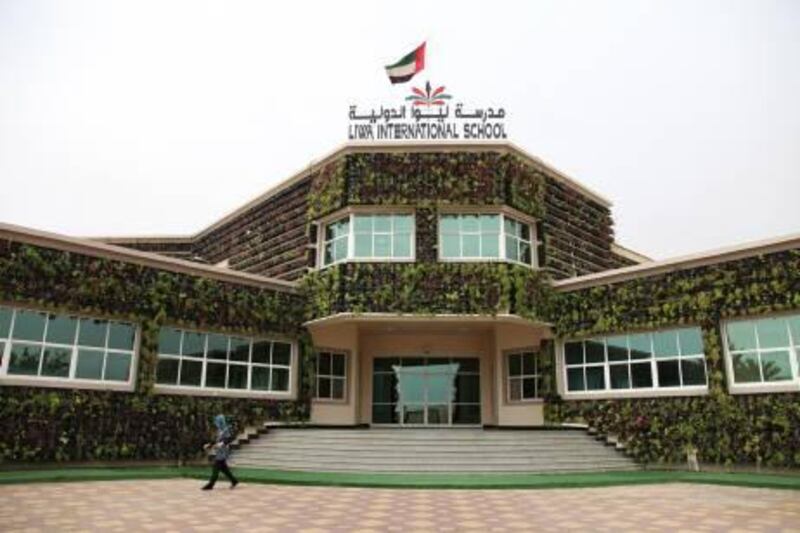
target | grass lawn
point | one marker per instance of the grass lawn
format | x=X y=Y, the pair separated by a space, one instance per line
x=448 y=481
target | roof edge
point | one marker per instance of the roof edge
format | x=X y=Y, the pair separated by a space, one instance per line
x=422 y=317
x=627 y=253
x=109 y=251
x=143 y=239
x=711 y=257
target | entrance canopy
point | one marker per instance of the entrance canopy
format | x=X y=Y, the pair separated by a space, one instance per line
x=425 y=370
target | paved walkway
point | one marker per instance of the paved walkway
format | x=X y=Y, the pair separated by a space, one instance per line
x=179 y=505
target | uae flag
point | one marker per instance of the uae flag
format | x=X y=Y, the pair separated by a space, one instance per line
x=404 y=70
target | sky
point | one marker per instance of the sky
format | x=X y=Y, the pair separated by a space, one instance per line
x=157 y=118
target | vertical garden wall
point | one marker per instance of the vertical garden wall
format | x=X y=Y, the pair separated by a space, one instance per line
x=74 y=424
x=723 y=428
x=427 y=182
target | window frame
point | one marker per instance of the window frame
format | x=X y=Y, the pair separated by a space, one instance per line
x=70 y=381
x=761 y=387
x=331 y=376
x=538 y=376
x=503 y=214
x=203 y=390
x=349 y=214
x=655 y=390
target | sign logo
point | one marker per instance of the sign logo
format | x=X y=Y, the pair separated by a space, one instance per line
x=427 y=118
x=426 y=97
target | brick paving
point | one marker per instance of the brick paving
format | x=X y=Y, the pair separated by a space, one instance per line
x=179 y=505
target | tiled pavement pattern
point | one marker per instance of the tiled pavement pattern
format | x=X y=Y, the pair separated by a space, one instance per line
x=179 y=505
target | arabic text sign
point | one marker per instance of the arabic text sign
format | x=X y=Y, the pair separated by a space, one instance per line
x=413 y=122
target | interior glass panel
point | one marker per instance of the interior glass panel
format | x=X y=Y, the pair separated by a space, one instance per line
x=93 y=332
x=61 y=329
x=776 y=365
x=772 y=333
x=741 y=336
x=56 y=362
x=746 y=368
x=169 y=341
x=281 y=353
x=90 y=366
x=121 y=336
x=118 y=366
x=29 y=325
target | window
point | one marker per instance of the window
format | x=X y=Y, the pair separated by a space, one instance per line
x=379 y=236
x=47 y=347
x=764 y=352
x=222 y=362
x=331 y=378
x=477 y=237
x=336 y=241
x=524 y=378
x=518 y=241
x=667 y=359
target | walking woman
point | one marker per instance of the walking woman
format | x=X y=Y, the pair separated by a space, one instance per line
x=222 y=450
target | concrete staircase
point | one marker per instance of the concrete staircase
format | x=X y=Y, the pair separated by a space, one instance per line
x=430 y=450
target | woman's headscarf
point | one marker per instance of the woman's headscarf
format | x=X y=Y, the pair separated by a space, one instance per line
x=220 y=422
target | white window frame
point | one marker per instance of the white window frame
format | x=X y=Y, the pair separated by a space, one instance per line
x=203 y=390
x=70 y=382
x=654 y=390
x=537 y=376
x=331 y=376
x=762 y=387
x=351 y=233
x=502 y=256
x=347 y=237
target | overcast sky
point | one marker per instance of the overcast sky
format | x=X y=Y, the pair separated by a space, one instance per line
x=159 y=117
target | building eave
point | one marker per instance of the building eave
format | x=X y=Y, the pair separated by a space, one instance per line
x=410 y=318
x=94 y=248
x=627 y=253
x=711 y=257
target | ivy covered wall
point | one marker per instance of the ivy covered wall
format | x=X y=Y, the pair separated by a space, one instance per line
x=49 y=424
x=723 y=428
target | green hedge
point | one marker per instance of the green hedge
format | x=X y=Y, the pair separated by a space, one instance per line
x=48 y=424
x=723 y=428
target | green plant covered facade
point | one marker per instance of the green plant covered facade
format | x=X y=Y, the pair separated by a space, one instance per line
x=723 y=428
x=56 y=424
x=273 y=237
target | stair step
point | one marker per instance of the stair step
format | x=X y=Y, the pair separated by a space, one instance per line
x=486 y=469
x=449 y=450
x=465 y=453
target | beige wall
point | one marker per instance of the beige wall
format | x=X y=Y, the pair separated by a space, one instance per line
x=512 y=337
x=489 y=343
x=345 y=338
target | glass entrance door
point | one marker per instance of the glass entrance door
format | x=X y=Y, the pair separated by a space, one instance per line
x=415 y=391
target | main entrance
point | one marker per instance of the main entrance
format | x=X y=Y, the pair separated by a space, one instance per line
x=426 y=391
